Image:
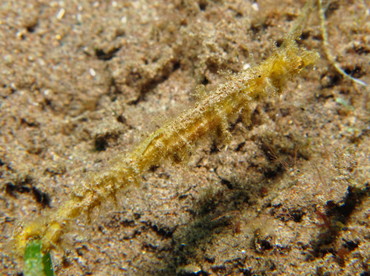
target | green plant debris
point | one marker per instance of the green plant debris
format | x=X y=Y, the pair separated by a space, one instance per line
x=37 y=263
x=344 y=103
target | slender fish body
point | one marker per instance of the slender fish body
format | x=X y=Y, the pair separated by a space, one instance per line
x=175 y=139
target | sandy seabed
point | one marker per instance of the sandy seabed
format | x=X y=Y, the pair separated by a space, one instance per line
x=84 y=81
